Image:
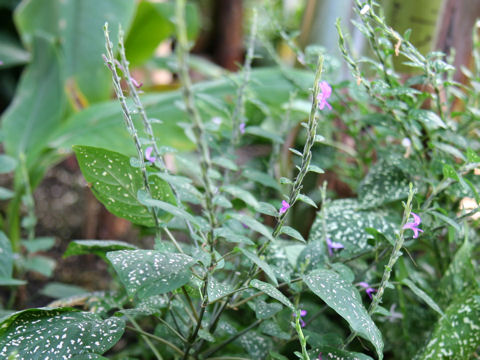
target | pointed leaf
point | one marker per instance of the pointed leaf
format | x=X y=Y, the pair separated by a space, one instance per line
x=97 y=247
x=341 y=297
x=261 y=264
x=292 y=232
x=271 y=291
x=253 y=224
x=422 y=295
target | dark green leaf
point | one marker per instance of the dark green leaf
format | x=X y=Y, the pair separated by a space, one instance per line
x=97 y=247
x=261 y=264
x=115 y=183
x=148 y=272
x=422 y=295
x=253 y=224
x=341 y=297
x=70 y=333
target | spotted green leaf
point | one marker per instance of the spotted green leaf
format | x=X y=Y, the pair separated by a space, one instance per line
x=346 y=224
x=149 y=272
x=216 y=289
x=97 y=247
x=459 y=276
x=271 y=291
x=256 y=345
x=456 y=335
x=342 y=297
x=115 y=183
x=264 y=310
x=331 y=353
x=261 y=264
x=273 y=329
x=40 y=334
x=384 y=183
x=428 y=118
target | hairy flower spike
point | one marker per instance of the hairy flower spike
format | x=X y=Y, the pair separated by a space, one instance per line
x=414 y=225
x=148 y=154
x=284 y=208
x=325 y=92
x=333 y=245
x=302 y=314
x=369 y=290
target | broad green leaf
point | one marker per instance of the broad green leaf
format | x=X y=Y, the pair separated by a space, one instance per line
x=58 y=290
x=115 y=183
x=449 y=149
x=39 y=334
x=6 y=256
x=231 y=236
x=383 y=184
x=271 y=291
x=38 y=244
x=7 y=164
x=267 y=209
x=272 y=328
x=456 y=334
x=459 y=276
x=472 y=156
x=38 y=105
x=40 y=264
x=148 y=272
x=346 y=224
x=253 y=224
x=100 y=125
x=261 y=178
x=11 y=52
x=428 y=118
x=342 y=297
x=97 y=247
x=422 y=295
x=216 y=289
x=78 y=27
x=261 y=264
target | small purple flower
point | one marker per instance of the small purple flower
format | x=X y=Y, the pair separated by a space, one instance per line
x=242 y=128
x=369 y=290
x=284 y=208
x=333 y=245
x=136 y=83
x=414 y=225
x=320 y=357
x=302 y=314
x=148 y=154
x=325 y=92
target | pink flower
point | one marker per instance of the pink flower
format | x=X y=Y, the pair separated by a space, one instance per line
x=136 y=83
x=414 y=225
x=284 y=208
x=333 y=245
x=148 y=154
x=302 y=314
x=242 y=128
x=369 y=290
x=325 y=92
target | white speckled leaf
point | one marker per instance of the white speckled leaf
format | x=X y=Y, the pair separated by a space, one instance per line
x=51 y=334
x=146 y=273
x=341 y=297
x=273 y=329
x=271 y=291
x=331 y=353
x=115 y=183
x=457 y=334
x=383 y=184
x=265 y=310
x=216 y=289
x=256 y=345
x=346 y=224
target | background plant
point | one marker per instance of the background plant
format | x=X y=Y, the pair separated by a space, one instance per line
x=227 y=277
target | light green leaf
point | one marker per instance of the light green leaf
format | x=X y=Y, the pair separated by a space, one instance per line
x=231 y=236
x=38 y=105
x=261 y=178
x=422 y=295
x=40 y=264
x=6 y=194
x=97 y=247
x=6 y=256
x=11 y=52
x=456 y=334
x=115 y=183
x=38 y=244
x=261 y=264
x=267 y=209
x=148 y=272
x=271 y=291
x=241 y=194
x=265 y=310
x=341 y=297
x=70 y=333
x=307 y=200
x=7 y=164
x=58 y=290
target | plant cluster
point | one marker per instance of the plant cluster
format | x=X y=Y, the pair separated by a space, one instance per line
x=236 y=272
